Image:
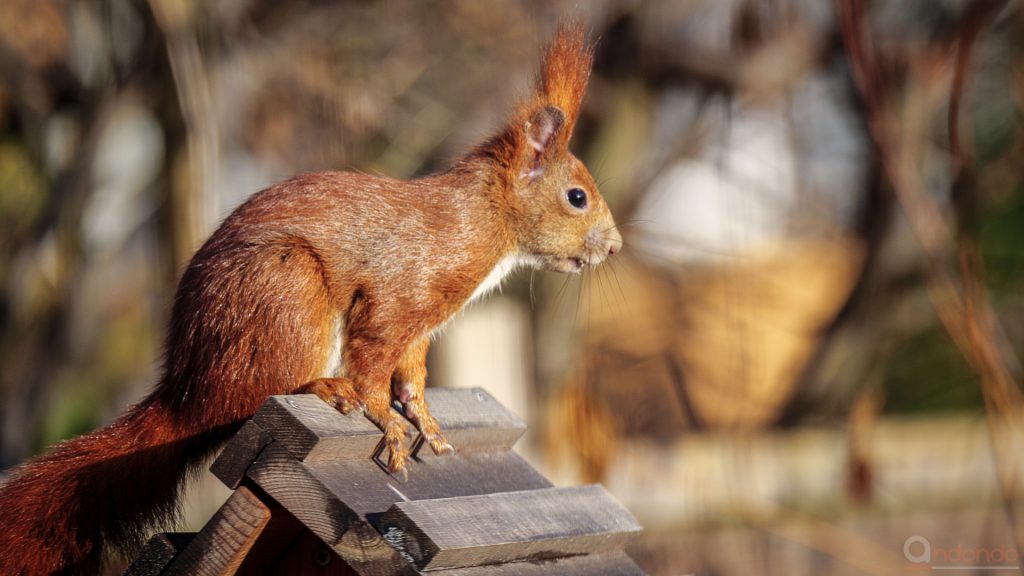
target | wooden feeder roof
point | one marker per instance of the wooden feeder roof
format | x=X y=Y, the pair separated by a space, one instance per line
x=313 y=497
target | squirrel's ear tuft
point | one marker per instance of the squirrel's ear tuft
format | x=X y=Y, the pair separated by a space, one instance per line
x=564 y=73
x=543 y=122
x=542 y=130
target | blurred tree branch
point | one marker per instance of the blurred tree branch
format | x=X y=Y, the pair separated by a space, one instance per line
x=192 y=197
x=898 y=127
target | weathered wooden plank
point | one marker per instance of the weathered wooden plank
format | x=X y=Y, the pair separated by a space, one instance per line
x=277 y=537
x=472 y=420
x=507 y=527
x=221 y=546
x=290 y=483
x=313 y=431
x=158 y=552
x=609 y=564
x=369 y=491
x=239 y=453
x=340 y=500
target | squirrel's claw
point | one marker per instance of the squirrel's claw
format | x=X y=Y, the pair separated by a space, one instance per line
x=395 y=440
x=440 y=446
x=400 y=474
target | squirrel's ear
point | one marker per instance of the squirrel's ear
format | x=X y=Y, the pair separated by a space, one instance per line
x=542 y=130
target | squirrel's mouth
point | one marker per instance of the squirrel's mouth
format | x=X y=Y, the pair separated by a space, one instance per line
x=568 y=265
x=565 y=264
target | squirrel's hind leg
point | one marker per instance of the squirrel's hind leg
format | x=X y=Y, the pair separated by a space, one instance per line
x=373 y=347
x=407 y=384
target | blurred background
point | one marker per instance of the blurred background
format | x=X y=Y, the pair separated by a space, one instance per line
x=805 y=360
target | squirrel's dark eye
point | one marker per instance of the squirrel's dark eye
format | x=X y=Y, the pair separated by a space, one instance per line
x=577 y=198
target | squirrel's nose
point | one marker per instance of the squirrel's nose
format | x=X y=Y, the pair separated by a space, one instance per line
x=614 y=241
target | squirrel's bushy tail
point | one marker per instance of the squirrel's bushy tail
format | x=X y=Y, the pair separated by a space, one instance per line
x=58 y=510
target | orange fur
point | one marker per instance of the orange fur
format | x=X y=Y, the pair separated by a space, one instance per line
x=563 y=79
x=329 y=283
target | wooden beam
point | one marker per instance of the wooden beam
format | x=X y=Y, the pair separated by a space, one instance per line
x=292 y=484
x=313 y=431
x=507 y=527
x=472 y=420
x=276 y=539
x=609 y=564
x=366 y=489
x=222 y=545
x=243 y=448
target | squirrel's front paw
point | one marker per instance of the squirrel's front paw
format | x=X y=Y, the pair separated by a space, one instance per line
x=338 y=392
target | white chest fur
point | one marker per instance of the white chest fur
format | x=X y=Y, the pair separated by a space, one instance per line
x=334 y=365
x=502 y=269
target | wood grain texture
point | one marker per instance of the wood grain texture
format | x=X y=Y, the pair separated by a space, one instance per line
x=608 y=564
x=243 y=448
x=506 y=527
x=222 y=545
x=472 y=420
x=276 y=539
x=298 y=490
x=370 y=492
x=313 y=431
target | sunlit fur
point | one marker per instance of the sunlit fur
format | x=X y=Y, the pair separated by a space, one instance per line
x=258 y=311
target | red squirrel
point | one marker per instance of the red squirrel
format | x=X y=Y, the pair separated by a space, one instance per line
x=328 y=283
